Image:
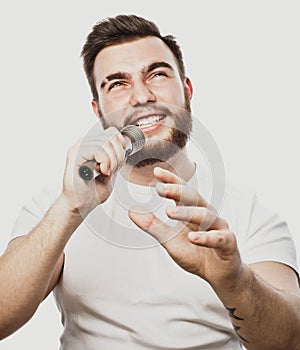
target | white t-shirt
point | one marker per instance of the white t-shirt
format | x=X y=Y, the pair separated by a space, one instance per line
x=121 y=290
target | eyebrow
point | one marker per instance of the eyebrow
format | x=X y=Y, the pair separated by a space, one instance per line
x=159 y=64
x=145 y=70
x=110 y=77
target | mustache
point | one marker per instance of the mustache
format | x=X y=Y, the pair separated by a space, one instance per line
x=133 y=112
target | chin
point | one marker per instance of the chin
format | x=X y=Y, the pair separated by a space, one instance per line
x=157 y=150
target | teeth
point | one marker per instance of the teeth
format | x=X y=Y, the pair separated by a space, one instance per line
x=149 y=121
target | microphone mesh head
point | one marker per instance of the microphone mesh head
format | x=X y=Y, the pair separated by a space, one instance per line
x=136 y=136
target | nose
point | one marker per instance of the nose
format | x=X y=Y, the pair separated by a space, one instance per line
x=141 y=94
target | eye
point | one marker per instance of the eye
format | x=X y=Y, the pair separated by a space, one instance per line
x=116 y=85
x=159 y=74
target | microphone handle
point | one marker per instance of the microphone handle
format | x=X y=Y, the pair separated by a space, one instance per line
x=91 y=169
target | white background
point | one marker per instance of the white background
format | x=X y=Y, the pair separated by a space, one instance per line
x=242 y=56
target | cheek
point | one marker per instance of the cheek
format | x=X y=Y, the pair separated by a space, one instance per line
x=114 y=103
x=172 y=96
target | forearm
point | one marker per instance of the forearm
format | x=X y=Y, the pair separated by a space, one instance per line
x=262 y=316
x=28 y=266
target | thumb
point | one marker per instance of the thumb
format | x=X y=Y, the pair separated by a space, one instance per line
x=151 y=224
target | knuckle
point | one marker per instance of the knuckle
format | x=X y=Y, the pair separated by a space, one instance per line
x=112 y=131
x=212 y=209
x=101 y=156
x=121 y=157
x=107 y=144
x=115 y=138
x=224 y=223
x=202 y=213
x=173 y=190
x=118 y=142
x=183 y=211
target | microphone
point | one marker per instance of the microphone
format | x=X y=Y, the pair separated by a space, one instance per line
x=135 y=140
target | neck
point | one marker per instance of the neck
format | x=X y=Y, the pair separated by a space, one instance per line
x=179 y=164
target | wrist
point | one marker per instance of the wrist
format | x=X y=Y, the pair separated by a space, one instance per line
x=238 y=287
x=72 y=213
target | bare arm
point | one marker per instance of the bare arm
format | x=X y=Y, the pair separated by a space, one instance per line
x=262 y=300
x=264 y=312
x=31 y=266
x=57 y=270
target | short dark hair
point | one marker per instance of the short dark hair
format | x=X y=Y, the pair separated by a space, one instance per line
x=118 y=30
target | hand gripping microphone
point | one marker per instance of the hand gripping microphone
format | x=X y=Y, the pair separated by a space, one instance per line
x=135 y=140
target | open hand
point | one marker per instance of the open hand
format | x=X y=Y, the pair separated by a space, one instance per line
x=201 y=242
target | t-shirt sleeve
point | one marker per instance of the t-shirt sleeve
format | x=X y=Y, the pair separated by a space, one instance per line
x=268 y=238
x=32 y=213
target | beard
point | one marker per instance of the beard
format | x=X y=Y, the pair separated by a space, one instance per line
x=156 y=150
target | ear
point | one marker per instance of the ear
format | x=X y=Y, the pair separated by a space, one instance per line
x=96 y=109
x=188 y=87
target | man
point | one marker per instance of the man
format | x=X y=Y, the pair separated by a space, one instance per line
x=214 y=281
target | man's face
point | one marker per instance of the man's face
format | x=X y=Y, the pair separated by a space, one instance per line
x=138 y=83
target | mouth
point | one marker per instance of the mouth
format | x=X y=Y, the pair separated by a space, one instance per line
x=150 y=122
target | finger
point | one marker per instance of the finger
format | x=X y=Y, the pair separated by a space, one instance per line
x=112 y=155
x=207 y=219
x=108 y=155
x=186 y=195
x=222 y=240
x=112 y=131
x=116 y=139
x=119 y=146
x=103 y=161
x=90 y=151
x=167 y=176
x=181 y=194
x=121 y=139
x=116 y=149
x=102 y=138
x=87 y=157
x=151 y=224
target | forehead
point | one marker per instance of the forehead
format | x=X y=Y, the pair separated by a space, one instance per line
x=132 y=57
